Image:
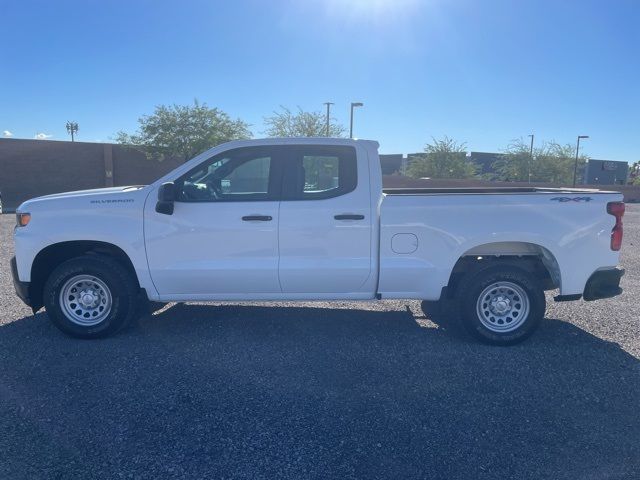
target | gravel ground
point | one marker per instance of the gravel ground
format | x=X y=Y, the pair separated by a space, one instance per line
x=349 y=390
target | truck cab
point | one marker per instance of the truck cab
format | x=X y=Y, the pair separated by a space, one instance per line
x=297 y=219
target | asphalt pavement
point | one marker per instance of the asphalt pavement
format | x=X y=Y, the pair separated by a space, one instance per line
x=322 y=390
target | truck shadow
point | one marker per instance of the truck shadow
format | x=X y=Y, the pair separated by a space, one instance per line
x=301 y=392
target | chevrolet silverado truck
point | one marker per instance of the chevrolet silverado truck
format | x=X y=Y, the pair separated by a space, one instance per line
x=308 y=219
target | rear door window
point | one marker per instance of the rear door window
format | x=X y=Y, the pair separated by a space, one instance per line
x=318 y=172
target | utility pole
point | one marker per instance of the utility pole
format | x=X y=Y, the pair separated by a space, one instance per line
x=353 y=104
x=530 y=160
x=575 y=166
x=72 y=129
x=328 y=104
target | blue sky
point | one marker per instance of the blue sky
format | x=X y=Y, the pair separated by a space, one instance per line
x=482 y=72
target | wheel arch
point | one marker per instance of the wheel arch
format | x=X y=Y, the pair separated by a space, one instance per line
x=53 y=255
x=531 y=257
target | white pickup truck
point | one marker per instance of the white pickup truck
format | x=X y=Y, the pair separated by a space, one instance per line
x=308 y=219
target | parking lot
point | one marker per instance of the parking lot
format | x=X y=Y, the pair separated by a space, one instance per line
x=320 y=390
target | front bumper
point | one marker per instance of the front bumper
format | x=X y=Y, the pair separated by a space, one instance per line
x=22 y=288
x=603 y=284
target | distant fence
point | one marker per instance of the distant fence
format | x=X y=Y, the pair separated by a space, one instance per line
x=31 y=168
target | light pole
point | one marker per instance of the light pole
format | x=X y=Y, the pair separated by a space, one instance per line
x=530 y=160
x=72 y=128
x=353 y=104
x=328 y=104
x=575 y=166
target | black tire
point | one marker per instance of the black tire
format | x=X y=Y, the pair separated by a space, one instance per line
x=471 y=289
x=120 y=283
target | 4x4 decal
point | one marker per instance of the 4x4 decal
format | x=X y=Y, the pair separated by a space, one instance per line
x=571 y=199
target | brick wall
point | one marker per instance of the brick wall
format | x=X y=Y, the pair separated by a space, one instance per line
x=30 y=168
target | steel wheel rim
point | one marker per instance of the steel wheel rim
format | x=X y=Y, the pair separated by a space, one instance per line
x=503 y=307
x=85 y=300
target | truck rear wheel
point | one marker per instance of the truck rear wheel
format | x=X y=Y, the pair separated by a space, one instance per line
x=90 y=296
x=500 y=304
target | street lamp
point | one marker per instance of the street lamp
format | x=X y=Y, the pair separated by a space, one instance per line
x=328 y=104
x=575 y=166
x=353 y=105
x=530 y=160
x=72 y=128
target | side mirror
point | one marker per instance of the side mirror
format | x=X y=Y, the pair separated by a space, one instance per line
x=166 y=197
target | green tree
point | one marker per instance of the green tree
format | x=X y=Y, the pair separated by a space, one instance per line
x=443 y=158
x=285 y=123
x=514 y=164
x=556 y=164
x=184 y=130
x=552 y=162
x=634 y=174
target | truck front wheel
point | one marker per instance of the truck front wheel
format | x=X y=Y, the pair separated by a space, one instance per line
x=90 y=296
x=501 y=304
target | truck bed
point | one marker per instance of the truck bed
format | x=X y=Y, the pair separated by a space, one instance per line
x=441 y=225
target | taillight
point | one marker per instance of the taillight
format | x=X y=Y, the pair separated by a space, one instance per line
x=617 y=210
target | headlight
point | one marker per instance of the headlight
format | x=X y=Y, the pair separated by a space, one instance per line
x=22 y=219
